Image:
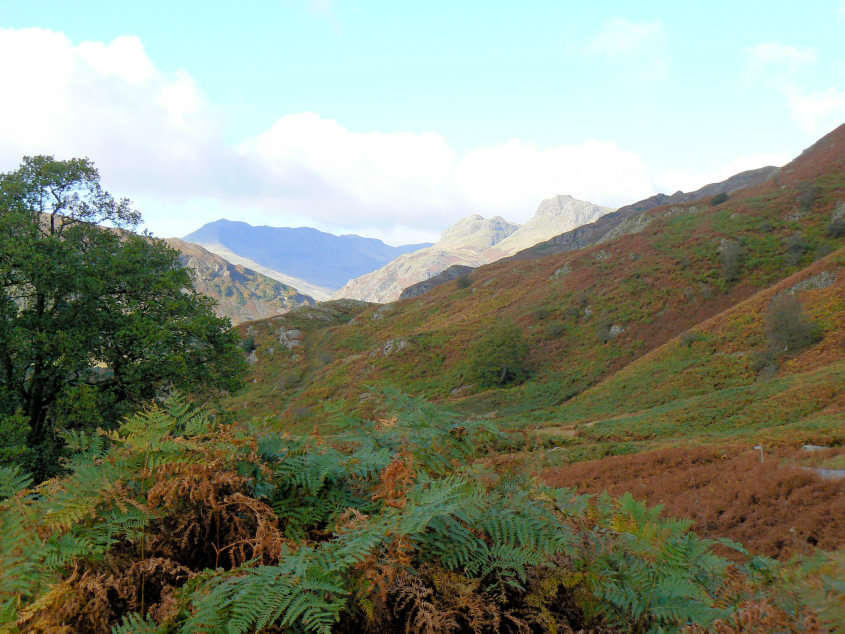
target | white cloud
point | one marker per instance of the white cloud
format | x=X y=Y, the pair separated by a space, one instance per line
x=149 y=132
x=417 y=180
x=156 y=139
x=816 y=113
x=676 y=179
x=783 y=56
x=636 y=49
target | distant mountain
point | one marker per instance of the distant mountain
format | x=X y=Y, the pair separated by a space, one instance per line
x=241 y=293
x=464 y=243
x=553 y=217
x=471 y=242
x=320 y=259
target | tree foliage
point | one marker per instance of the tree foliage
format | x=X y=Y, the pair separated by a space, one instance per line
x=788 y=329
x=498 y=357
x=94 y=319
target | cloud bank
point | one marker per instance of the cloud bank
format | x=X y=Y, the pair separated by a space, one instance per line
x=157 y=139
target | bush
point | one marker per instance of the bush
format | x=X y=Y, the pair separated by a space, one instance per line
x=796 y=247
x=498 y=357
x=555 y=330
x=788 y=329
x=836 y=228
x=730 y=255
x=808 y=194
x=572 y=312
x=689 y=338
x=603 y=330
x=542 y=313
x=718 y=199
x=463 y=282
x=248 y=344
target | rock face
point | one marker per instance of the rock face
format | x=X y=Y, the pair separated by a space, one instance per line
x=241 y=293
x=475 y=231
x=554 y=216
x=470 y=242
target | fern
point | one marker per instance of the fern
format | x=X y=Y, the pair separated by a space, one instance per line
x=12 y=480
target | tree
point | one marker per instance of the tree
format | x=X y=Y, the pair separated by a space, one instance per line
x=498 y=357
x=94 y=320
x=788 y=329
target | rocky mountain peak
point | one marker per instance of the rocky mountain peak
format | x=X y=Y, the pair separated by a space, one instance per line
x=478 y=232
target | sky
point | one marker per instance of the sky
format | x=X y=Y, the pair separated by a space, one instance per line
x=395 y=119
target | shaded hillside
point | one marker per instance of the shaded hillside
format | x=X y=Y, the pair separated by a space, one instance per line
x=241 y=293
x=586 y=314
x=446 y=275
x=320 y=258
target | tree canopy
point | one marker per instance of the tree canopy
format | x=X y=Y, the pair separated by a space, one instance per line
x=499 y=356
x=95 y=319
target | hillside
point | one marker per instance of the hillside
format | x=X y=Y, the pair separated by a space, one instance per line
x=604 y=227
x=321 y=259
x=587 y=313
x=241 y=293
x=472 y=241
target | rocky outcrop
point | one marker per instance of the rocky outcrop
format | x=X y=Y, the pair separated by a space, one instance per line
x=478 y=232
x=554 y=216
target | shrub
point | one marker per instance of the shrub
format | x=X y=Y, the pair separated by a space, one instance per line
x=788 y=329
x=463 y=282
x=603 y=330
x=808 y=194
x=572 y=312
x=718 y=199
x=836 y=228
x=498 y=357
x=555 y=330
x=796 y=247
x=542 y=313
x=248 y=344
x=730 y=255
x=689 y=338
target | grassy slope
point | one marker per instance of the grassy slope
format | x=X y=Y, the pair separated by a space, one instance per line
x=656 y=284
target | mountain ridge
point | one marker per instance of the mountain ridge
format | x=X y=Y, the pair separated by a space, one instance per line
x=291 y=250
x=472 y=241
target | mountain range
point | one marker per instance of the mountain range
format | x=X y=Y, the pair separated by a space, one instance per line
x=325 y=262
x=472 y=241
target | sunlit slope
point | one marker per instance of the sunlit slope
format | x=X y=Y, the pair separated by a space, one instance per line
x=715 y=381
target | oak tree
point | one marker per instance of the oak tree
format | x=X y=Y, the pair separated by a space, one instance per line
x=95 y=319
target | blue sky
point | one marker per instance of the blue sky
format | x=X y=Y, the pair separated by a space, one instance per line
x=395 y=119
